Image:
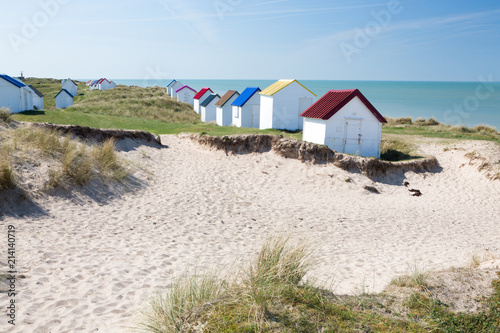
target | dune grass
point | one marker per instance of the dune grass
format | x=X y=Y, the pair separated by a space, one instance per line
x=70 y=161
x=432 y=128
x=271 y=294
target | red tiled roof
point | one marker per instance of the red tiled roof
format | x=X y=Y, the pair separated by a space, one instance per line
x=202 y=92
x=334 y=100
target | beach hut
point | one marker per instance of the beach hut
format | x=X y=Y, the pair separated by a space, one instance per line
x=200 y=97
x=246 y=108
x=282 y=103
x=208 y=108
x=224 y=111
x=172 y=87
x=70 y=86
x=15 y=95
x=345 y=121
x=185 y=94
x=104 y=84
x=64 y=99
x=37 y=98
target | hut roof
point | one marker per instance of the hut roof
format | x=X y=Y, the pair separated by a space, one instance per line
x=245 y=96
x=280 y=85
x=227 y=96
x=334 y=100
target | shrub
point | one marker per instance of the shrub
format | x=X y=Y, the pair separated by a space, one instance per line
x=5 y=115
x=6 y=175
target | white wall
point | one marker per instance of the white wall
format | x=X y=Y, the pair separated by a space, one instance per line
x=266 y=112
x=38 y=102
x=63 y=101
x=283 y=109
x=225 y=113
x=70 y=86
x=249 y=114
x=176 y=86
x=209 y=113
x=10 y=97
x=332 y=131
x=197 y=107
x=314 y=130
x=186 y=96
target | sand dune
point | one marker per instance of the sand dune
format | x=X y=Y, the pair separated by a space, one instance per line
x=90 y=265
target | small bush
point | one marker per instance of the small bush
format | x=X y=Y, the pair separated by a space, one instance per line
x=5 y=115
x=6 y=175
x=426 y=122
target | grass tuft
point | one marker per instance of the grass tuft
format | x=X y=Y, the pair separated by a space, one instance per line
x=416 y=278
x=6 y=175
x=5 y=115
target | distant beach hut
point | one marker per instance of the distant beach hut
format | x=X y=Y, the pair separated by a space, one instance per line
x=282 y=103
x=70 y=86
x=246 y=108
x=185 y=94
x=37 y=98
x=345 y=121
x=208 y=108
x=15 y=95
x=200 y=97
x=173 y=87
x=224 y=111
x=64 y=99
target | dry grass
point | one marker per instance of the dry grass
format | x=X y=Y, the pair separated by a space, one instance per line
x=431 y=127
x=417 y=277
x=5 y=115
x=194 y=300
x=69 y=162
x=135 y=102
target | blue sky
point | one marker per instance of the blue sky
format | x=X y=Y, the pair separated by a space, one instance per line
x=414 y=40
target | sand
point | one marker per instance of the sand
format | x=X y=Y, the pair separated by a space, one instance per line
x=91 y=264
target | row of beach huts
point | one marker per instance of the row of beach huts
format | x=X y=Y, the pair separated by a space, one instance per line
x=343 y=120
x=18 y=96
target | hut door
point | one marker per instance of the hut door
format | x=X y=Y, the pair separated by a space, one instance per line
x=352 y=136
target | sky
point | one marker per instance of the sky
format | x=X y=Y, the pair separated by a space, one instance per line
x=401 y=40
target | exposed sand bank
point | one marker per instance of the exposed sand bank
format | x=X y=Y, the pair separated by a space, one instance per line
x=90 y=263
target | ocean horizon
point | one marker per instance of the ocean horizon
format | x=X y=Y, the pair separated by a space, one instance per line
x=453 y=103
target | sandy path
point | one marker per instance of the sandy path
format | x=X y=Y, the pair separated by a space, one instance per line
x=90 y=265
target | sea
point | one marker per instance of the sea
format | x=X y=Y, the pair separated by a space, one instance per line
x=453 y=103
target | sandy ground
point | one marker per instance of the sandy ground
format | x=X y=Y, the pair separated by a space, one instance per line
x=91 y=264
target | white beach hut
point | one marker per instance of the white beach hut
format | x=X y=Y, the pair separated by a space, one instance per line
x=200 y=97
x=70 y=86
x=224 y=111
x=186 y=94
x=37 y=98
x=176 y=86
x=208 y=108
x=246 y=108
x=15 y=95
x=282 y=103
x=64 y=99
x=345 y=121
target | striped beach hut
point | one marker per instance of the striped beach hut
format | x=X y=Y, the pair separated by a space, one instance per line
x=282 y=103
x=224 y=111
